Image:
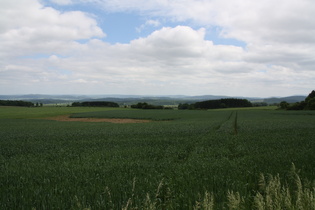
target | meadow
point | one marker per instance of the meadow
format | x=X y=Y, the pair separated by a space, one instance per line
x=249 y=158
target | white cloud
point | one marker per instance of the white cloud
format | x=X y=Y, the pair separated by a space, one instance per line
x=28 y=27
x=148 y=23
x=62 y=2
x=277 y=60
x=170 y=57
x=247 y=20
x=154 y=23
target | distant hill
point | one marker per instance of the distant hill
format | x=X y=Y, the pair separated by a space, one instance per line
x=41 y=96
x=133 y=99
x=289 y=99
x=120 y=99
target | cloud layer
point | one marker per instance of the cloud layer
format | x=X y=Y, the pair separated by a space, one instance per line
x=45 y=50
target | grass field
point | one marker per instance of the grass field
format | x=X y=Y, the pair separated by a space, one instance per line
x=182 y=159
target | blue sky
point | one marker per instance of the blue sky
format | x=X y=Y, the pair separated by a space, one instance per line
x=123 y=27
x=120 y=27
x=157 y=47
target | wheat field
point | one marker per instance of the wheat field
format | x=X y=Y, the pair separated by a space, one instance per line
x=180 y=159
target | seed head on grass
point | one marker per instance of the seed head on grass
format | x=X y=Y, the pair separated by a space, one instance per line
x=235 y=200
x=149 y=204
x=207 y=203
x=274 y=195
x=110 y=201
x=259 y=202
x=130 y=200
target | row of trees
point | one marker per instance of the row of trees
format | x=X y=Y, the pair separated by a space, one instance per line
x=146 y=106
x=16 y=103
x=307 y=104
x=217 y=104
x=96 y=104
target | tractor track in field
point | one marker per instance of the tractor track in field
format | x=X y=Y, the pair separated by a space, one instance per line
x=223 y=122
x=235 y=124
x=229 y=119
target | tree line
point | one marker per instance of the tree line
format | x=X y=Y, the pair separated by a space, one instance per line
x=217 y=104
x=146 y=106
x=96 y=104
x=307 y=104
x=16 y=103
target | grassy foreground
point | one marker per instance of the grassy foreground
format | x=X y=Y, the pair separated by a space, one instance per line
x=221 y=159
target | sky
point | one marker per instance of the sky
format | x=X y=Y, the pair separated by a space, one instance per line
x=249 y=48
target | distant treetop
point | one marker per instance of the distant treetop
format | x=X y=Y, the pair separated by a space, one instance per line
x=96 y=104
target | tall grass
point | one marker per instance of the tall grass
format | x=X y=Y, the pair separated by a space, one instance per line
x=291 y=195
x=272 y=194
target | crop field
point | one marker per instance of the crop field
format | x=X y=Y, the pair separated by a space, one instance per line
x=179 y=159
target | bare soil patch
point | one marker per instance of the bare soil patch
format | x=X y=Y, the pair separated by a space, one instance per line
x=66 y=118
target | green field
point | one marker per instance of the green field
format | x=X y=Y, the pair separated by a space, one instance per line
x=182 y=159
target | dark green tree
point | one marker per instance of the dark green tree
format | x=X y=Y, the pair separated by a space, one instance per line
x=284 y=105
x=223 y=103
x=310 y=96
x=15 y=103
x=145 y=106
x=307 y=104
x=310 y=101
x=311 y=104
x=96 y=104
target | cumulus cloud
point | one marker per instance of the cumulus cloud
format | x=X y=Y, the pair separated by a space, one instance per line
x=28 y=27
x=277 y=59
x=170 y=57
x=250 y=21
x=272 y=31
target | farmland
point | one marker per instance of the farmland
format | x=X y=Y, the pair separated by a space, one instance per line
x=181 y=159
